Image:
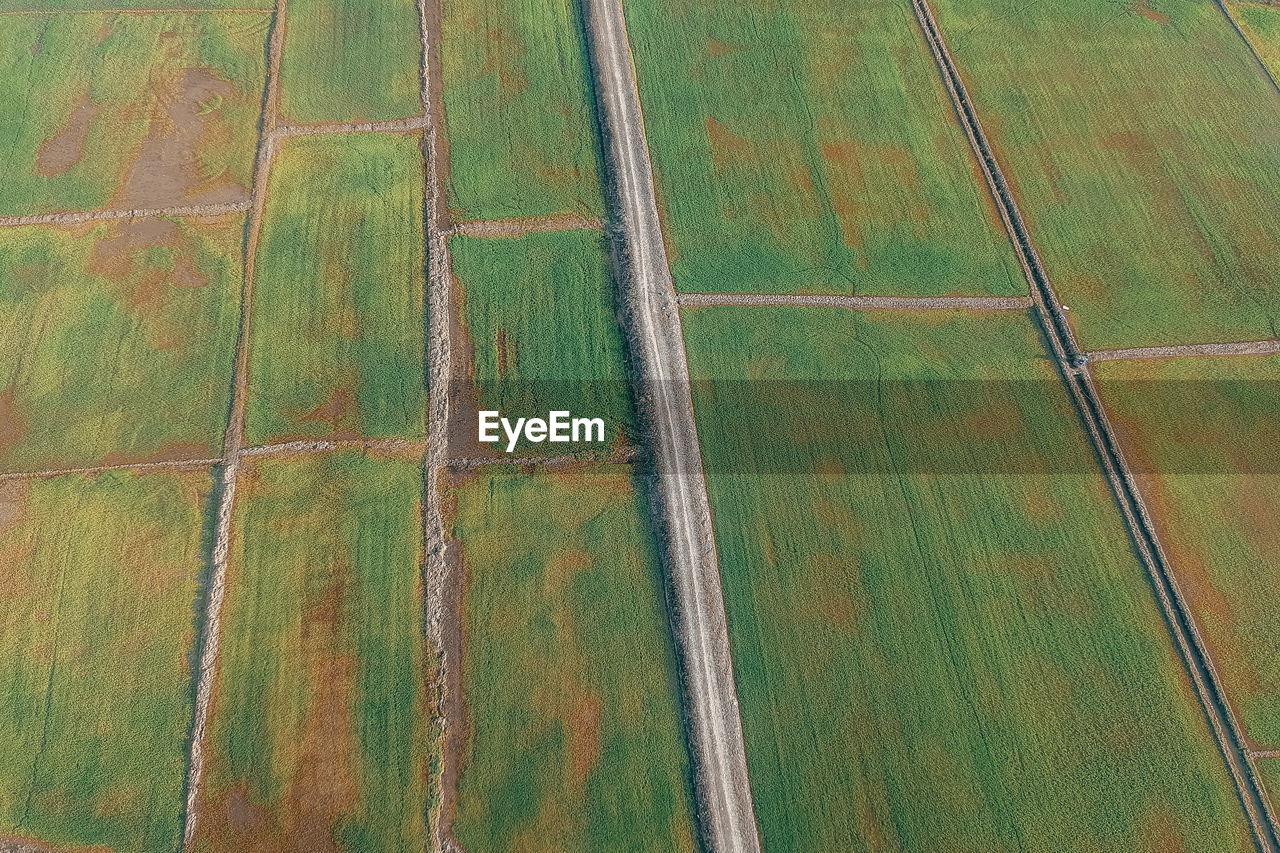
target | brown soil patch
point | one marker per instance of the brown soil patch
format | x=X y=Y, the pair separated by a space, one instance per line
x=13 y=503
x=66 y=147
x=13 y=425
x=338 y=409
x=175 y=452
x=166 y=171
x=582 y=727
x=464 y=407
x=1143 y=8
x=503 y=56
x=717 y=48
x=114 y=256
x=726 y=146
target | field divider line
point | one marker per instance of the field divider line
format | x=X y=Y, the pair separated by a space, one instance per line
x=441 y=618
x=857 y=303
x=525 y=225
x=1182 y=628
x=167 y=465
x=208 y=636
x=1253 y=50
x=193 y=211
x=393 y=125
x=678 y=482
x=189 y=10
x=1268 y=347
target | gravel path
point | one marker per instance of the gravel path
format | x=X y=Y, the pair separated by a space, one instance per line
x=1241 y=348
x=657 y=345
x=526 y=225
x=79 y=217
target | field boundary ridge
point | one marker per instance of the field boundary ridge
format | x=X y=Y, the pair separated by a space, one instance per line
x=192 y=211
x=1267 y=347
x=857 y=303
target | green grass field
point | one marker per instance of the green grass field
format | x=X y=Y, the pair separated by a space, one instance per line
x=1203 y=434
x=1142 y=144
x=942 y=638
x=350 y=61
x=336 y=340
x=1261 y=23
x=318 y=725
x=541 y=315
x=128 y=111
x=1269 y=773
x=811 y=147
x=97 y=605
x=116 y=341
x=568 y=679
x=518 y=104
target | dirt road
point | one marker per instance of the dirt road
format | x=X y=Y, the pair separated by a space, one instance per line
x=726 y=810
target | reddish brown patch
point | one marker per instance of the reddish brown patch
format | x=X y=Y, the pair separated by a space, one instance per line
x=178 y=451
x=1143 y=8
x=115 y=257
x=66 y=147
x=583 y=730
x=717 y=48
x=13 y=504
x=336 y=411
x=166 y=170
x=726 y=146
x=13 y=425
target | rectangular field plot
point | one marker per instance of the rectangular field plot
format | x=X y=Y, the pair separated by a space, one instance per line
x=336 y=338
x=125 y=111
x=97 y=613
x=1202 y=437
x=117 y=340
x=1261 y=25
x=942 y=639
x=810 y=147
x=317 y=734
x=573 y=739
x=1269 y=774
x=518 y=107
x=539 y=311
x=346 y=62
x=1143 y=145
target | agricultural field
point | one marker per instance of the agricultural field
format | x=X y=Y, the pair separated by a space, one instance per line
x=123 y=111
x=97 y=600
x=811 y=147
x=1202 y=437
x=1269 y=772
x=1261 y=24
x=1141 y=143
x=542 y=323
x=932 y=575
x=318 y=724
x=519 y=112
x=336 y=335
x=116 y=340
x=573 y=740
x=346 y=62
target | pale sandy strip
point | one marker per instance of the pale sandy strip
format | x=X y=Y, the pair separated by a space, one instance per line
x=395 y=125
x=211 y=629
x=173 y=465
x=472 y=462
x=526 y=225
x=1180 y=350
x=405 y=446
x=79 y=217
x=858 y=303
x=1264 y=753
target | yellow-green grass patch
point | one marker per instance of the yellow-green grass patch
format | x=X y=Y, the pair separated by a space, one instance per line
x=336 y=340
x=1204 y=441
x=347 y=61
x=573 y=735
x=541 y=315
x=317 y=736
x=942 y=638
x=1269 y=774
x=810 y=146
x=1261 y=25
x=124 y=111
x=97 y=603
x=1142 y=141
x=519 y=110
x=116 y=340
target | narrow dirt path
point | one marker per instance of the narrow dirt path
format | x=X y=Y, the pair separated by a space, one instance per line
x=80 y=217
x=526 y=225
x=209 y=635
x=1184 y=633
x=168 y=465
x=1180 y=350
x=657 y=345
x=859 y=303
x=395 y=125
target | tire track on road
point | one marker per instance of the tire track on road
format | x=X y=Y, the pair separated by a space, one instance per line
x=657 y=343
x=1182 y=628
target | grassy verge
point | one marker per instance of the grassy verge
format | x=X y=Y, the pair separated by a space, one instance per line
x=942 y=638
x=1202 y=435
x=116 y=341
x=336 y=344
x=569 y=688
x=518 y=106
x=96 y=599
x=1141 y=144
x=350 y=62
x=811 y=147
x=318 y=725
x=128 y=111
x=542 y=318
